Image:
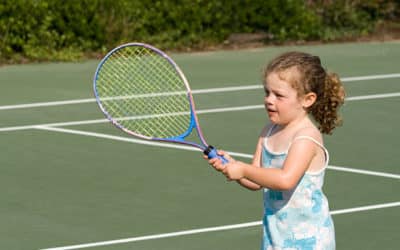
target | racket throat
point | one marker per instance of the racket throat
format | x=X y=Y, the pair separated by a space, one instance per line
x=177 y=139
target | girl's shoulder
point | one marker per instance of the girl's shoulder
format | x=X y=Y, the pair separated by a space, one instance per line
x=308 y=132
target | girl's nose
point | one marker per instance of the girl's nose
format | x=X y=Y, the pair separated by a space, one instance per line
x=268 y=99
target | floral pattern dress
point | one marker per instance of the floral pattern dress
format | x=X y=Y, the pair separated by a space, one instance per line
x=296 y=219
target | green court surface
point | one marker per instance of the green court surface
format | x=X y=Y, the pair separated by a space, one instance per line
x=71 y=180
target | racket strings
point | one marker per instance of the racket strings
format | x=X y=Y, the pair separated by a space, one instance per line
x=144 y=93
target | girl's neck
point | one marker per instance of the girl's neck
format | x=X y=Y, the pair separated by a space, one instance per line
x=295 y=125
x=282 y=134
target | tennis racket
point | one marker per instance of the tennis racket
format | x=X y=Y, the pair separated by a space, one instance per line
x=143 y=92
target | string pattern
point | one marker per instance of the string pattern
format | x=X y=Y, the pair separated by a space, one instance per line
x=144 y=93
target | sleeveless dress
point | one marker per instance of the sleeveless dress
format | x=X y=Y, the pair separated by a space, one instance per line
x=296 y=219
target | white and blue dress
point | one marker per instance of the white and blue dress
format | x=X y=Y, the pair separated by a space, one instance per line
x=296 y=219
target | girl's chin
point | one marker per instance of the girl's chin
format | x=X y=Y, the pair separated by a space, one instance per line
x=274 y=121
x=273 y=118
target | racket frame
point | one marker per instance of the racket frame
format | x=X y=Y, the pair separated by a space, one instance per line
x=194 y=122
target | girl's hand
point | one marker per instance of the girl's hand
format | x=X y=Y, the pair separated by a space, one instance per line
x=216 y=163
x=233 y=171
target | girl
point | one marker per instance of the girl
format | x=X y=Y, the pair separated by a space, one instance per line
x=290 y=160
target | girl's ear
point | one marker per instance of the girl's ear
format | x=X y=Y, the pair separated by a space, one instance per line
x=309 y=99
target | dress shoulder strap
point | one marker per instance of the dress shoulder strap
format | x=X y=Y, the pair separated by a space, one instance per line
x=270 y=130
x=302 y=137
x=308 y=138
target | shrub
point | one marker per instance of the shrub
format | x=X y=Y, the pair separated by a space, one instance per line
x=68 y=30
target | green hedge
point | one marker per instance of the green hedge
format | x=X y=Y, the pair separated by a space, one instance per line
x=68 y=30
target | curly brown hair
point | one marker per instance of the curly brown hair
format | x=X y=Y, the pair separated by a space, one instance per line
x=310 y=76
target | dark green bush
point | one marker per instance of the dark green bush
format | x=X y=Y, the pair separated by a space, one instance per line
x=68 y=30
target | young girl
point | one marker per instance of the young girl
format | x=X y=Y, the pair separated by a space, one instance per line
x=290 y=160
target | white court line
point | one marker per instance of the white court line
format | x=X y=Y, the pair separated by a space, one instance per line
x=369 y=97
x=178 y=146
x=199 y=91
x=210 y=229
x=204 y=111
x=371 y=77
x=365 y=172
x=87 y=122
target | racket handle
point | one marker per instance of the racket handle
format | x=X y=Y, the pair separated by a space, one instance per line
x=211 y=152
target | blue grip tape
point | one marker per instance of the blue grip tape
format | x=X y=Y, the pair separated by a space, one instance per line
x=211 y=152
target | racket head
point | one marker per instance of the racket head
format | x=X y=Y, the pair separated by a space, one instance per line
x=143 y=92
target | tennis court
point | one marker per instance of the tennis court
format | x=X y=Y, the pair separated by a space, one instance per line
x=70 y=180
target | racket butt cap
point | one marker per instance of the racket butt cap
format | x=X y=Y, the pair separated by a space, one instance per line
x=211 y=152
x=208 y=150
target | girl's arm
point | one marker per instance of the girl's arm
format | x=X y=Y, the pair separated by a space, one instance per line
x=296 y=164
x=217 y=165
x=256 y=163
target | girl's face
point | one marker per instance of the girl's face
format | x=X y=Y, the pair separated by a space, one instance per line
x=281 y=101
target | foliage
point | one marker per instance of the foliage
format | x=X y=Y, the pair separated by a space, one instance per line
x=37 y=30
